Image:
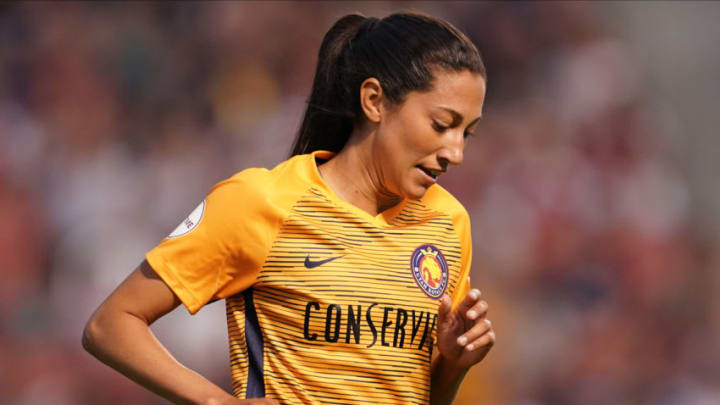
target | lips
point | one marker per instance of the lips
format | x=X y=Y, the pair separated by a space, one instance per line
x=430 y=172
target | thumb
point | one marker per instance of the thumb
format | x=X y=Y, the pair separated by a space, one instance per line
x=444 y=310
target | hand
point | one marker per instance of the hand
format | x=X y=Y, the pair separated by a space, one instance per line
x=465 y=335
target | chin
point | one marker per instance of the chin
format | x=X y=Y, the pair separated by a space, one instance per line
x=416 y=192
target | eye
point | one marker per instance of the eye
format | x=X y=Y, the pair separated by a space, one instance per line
x=439 y=127
x=470 y=131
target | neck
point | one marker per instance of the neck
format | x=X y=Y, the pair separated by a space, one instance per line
x=354 y=178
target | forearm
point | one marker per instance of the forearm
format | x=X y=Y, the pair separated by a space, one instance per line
x=126 y=343
x=445 y=380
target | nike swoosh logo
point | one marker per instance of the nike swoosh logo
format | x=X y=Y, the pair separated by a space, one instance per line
x=311 y=264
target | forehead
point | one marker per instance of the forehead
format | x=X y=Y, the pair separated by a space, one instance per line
x=463 y=92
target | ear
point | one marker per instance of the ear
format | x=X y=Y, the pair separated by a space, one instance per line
x=371 y=99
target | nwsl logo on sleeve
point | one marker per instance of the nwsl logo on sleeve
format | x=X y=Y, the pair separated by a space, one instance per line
x=430 y=270
x=190 y=223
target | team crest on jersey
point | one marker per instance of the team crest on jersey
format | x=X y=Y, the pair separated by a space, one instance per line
x=430 y=270
x=190 y=223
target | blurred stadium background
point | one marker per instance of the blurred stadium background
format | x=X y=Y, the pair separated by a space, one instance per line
x=592 y=184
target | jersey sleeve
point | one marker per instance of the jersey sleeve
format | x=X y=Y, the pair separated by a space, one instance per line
x=219 y=249
x=462 y=226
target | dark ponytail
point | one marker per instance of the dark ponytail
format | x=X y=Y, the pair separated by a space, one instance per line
x=400 y=51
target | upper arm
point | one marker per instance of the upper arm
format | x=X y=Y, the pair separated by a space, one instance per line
x=222 y=251
x=142 y=294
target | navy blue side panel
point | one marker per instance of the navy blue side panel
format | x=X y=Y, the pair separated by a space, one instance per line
x=254 y=340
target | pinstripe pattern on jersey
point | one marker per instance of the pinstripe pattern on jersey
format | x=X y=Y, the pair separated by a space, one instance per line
x=239 y=360
x=356 y=329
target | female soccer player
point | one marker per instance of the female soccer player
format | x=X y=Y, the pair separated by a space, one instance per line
x=345 y=268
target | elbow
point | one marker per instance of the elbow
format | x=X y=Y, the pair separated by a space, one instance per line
x=91 y=335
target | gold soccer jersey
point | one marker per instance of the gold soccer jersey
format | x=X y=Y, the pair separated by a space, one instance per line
x=325 y=303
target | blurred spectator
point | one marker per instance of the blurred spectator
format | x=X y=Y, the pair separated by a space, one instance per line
x=117 y=118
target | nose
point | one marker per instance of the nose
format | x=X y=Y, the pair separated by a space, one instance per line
x=452 y=149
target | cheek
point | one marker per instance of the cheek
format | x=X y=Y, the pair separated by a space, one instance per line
x=416 y=137
x=406 y=139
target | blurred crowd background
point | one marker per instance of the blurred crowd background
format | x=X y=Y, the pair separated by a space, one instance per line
x=591 y=184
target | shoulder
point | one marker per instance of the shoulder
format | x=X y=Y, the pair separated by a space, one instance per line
x=264 y=194
x=245 y=185
x=441 y=200
x=286 y=180
x=252 y=179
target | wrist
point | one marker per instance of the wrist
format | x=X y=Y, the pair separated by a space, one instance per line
x=216 y=400
x=449 y=368
x=446 y=378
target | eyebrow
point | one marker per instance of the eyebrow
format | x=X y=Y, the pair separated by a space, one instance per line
x=457 y=117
